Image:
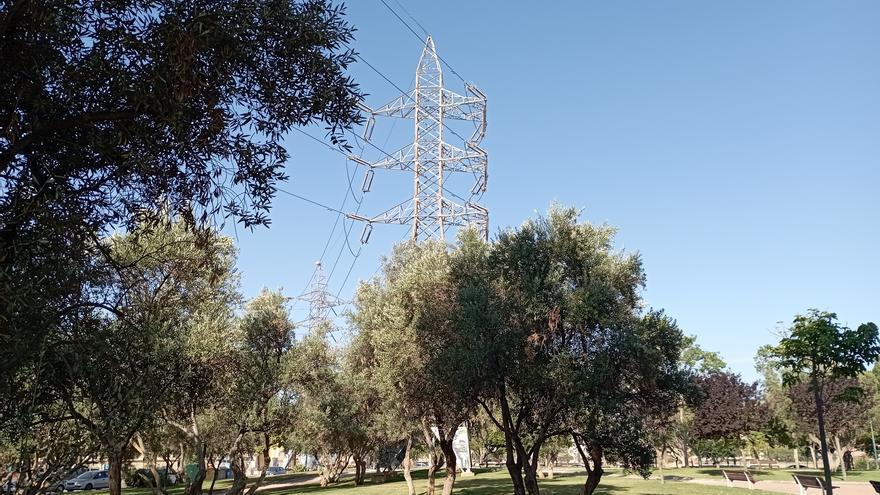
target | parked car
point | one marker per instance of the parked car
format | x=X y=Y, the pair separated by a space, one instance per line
x=89 y=480
x=275 y=471
x=59 y=487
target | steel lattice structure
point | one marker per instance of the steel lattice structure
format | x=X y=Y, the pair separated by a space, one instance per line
x=321 y=302
x=431 y=211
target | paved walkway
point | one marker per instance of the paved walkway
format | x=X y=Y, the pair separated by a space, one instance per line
x=845 y=487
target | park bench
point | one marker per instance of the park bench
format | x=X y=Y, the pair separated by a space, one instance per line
x=732 y=476
x=805 y=482
x=876 y=485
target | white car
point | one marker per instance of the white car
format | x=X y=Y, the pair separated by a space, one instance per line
x=275 y=471
x=89 y=480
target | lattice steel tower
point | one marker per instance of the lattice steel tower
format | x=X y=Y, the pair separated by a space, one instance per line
x=321 y=302
x=431 y=157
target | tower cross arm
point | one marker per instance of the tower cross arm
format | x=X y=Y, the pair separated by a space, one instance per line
x=460 y=107
x=474 y=159
x=403 y=107
x=401 y=214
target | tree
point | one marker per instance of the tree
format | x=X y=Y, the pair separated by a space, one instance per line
x=782 y=428
x=818 y=349
x=409 y=320
x=629 y=375
x=261 y=400
x=843 y=418
x=114 y=115
x=729 y=407
x=394 y=423
x=114 y=369
x=697 y=362
x=556 y=311
x=338 y=417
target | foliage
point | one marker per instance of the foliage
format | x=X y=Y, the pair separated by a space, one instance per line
x=116 y=115
x=261 y=400
x=716 y=450
x=412 y=344
x=820 y=347
x=635 y=378
x=822 y=351
x=729 y=407
x=486 y=439
x=843 y=417
x=698 y=361
x=561 y=339
x=336 y=412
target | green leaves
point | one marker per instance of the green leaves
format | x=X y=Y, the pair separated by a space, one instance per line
x=820 y=347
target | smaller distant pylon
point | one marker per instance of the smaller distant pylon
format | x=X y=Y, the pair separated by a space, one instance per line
x=321 y=302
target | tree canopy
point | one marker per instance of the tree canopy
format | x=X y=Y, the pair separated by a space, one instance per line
x=123 y=113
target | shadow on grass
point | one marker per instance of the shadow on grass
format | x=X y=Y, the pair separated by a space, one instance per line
x=485 y=483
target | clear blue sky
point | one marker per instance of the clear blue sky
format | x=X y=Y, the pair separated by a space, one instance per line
x=736 y=145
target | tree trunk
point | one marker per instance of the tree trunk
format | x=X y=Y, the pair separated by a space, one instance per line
x=823 y=442
x=593 y=464
x=660 y=463
x=115 y=458
x=514 y=469
x=433 y=464
x=239 y=478
x=840 y=458
x=530 y=467
x=407 y=467
x=236 y=463
x=513 y=462
x=214 y=477
x=195 y=485
x=797 y=462
x=684 y=440
x=358 y=471
x=593 y=477
x=450 y=460
x=266 y=461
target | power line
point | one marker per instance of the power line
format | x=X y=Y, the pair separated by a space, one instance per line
x=404 y=93
x=307 y=200
x=418 y=37
x=419 y=24
x=337 y=150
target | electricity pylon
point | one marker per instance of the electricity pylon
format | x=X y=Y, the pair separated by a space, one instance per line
x=431 y=156
x=321 y=301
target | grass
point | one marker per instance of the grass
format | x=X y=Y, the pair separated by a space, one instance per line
x=767 y=474
x=497 y=483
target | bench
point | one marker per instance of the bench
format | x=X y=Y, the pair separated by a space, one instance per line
x=876 y=485
x=732 y=476
x=805 y=482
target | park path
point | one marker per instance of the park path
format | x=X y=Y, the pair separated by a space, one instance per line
x=845 y=487
x=281 y=485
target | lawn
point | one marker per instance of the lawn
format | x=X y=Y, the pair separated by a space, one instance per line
x=497 y=483
x=766 y=474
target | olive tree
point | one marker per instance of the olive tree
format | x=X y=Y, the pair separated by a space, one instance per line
x=409 y=321
x=562 y=344
x=114 y=114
